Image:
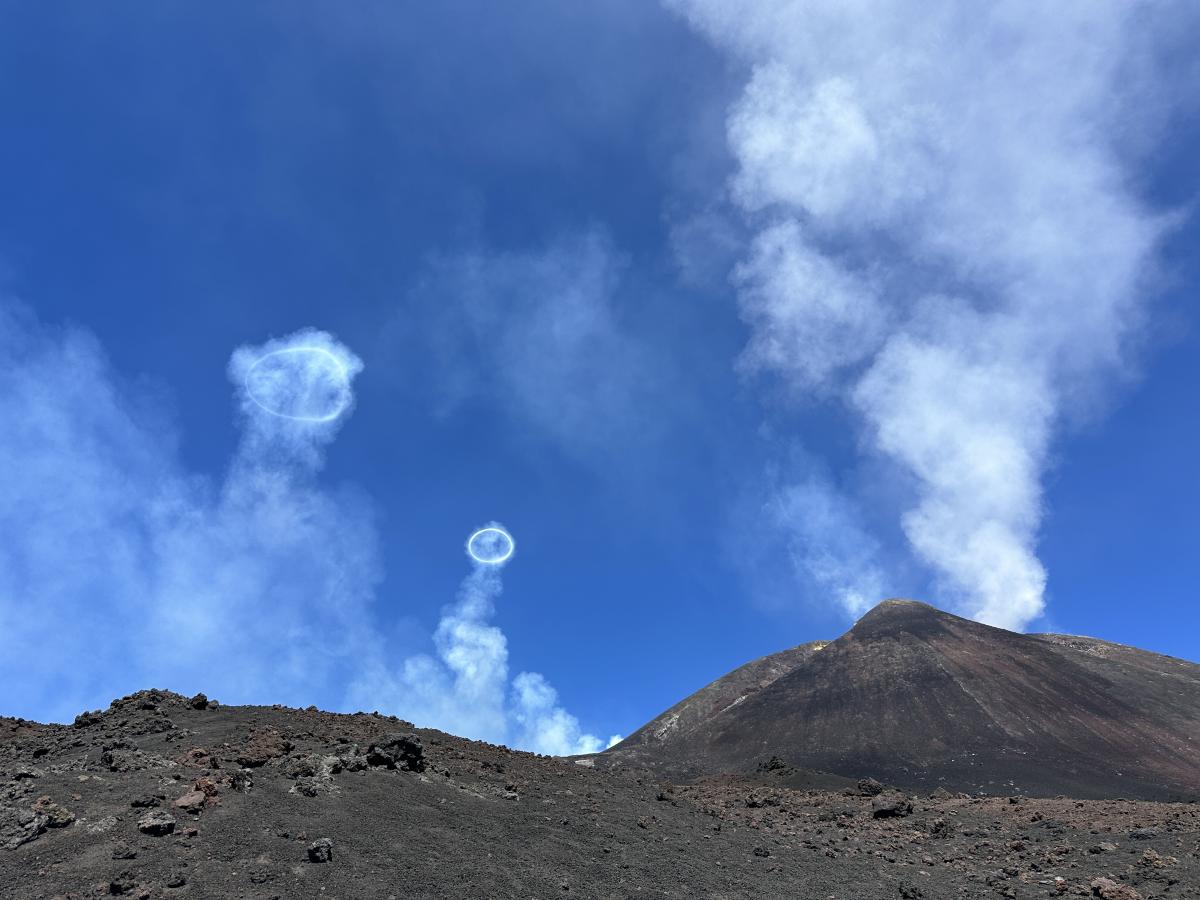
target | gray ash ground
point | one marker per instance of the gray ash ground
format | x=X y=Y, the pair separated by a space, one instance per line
x=161 y=796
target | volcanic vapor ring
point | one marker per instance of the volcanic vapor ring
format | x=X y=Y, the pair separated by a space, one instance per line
x=273 y=384
x=491 y=545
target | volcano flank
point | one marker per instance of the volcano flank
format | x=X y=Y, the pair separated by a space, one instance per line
x=926 y=699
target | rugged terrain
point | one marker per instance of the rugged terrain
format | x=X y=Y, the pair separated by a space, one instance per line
x=900 y=761
x=161 y=796
x=923 y=699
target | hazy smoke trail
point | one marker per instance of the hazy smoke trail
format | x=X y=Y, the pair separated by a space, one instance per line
x=946 y=239
x=465 y=689
x=134 y=572
x=120 y=570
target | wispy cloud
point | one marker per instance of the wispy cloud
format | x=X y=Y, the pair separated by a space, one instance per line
x=120 y=569
x=539 y=335
x=799 y=527
x=947 y=240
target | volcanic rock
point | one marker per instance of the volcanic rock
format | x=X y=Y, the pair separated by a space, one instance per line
x=923 y=699
x=55 y=816
x=890 y=806
x=87 y=719
x=467 y=818
x=398 y=751
x=19 y=826
x=262 y=747
x=156 y=823
x=869 y=787
x=123 y=883
x=1107 y=889
x=320 y=850
x=192 y=801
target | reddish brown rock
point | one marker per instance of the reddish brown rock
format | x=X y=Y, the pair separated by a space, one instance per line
x=192 y=801
x=1107 y=889
x=55 y=816
x=264 y=745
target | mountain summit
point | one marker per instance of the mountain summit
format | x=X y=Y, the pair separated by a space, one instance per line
x=923 y=698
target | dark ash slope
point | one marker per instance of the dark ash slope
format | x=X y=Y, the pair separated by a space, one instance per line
x=160 y=797
x=923 y=698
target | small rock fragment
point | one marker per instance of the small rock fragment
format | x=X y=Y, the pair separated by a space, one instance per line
x=87 y=719
x=869 y=787
x=1154 y=860
x=56 y=816
x=320 y=850
x=108 y=823
x=200 y=758
x=1107 y=889
x=123 y=851
x=774 y=764
x=192 y=801
x=264 y=745
x=121 y=884
x=19 y=826
x=940 y=828
x=157 y=824
x=890 y=806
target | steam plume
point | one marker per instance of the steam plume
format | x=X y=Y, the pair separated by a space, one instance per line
x=946 y=240
x=465 y=688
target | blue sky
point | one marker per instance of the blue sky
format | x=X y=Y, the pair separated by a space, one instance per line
x=739 y=316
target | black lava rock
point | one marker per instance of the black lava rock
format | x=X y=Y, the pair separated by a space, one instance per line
x=320 y=850
x=398 y=751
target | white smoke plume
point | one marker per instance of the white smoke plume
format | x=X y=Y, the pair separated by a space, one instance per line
x=826 y=542
x=121 y=570
x=947 y=240
x=294 y=393
x=465 y=689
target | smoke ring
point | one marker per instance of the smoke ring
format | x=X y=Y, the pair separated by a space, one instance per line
x=491 y=546
x=301 y=384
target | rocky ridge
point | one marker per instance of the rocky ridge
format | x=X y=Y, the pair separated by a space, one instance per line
x=165 y=796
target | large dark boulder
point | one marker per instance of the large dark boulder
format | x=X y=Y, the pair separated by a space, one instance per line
x=890 y=806
x=398 y=751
